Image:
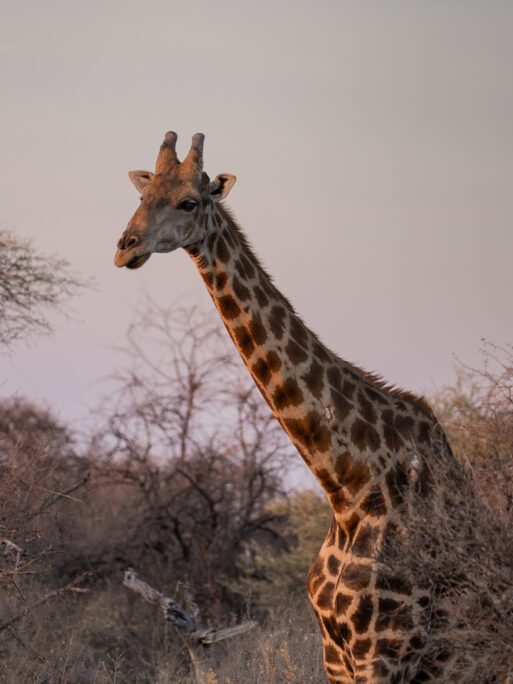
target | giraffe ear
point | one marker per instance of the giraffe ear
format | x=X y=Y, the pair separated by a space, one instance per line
x=221 y=186
x=140 y=179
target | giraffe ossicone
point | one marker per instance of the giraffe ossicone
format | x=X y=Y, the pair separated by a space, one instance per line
x=366 y=443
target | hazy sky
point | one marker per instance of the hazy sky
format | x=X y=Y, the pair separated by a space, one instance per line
x=372 y=142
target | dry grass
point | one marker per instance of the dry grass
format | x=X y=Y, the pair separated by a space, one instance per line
x=286 y=649
x=106 y=637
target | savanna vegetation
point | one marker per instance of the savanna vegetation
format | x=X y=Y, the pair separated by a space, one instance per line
x=186 y=480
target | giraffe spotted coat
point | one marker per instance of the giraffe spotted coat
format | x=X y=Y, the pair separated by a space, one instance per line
x=366 y=443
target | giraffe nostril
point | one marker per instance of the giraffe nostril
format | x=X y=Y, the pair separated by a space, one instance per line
x=131 y=242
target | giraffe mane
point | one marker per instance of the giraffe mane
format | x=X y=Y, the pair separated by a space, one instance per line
x=380 y=383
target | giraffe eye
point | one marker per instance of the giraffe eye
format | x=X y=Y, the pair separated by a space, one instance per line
x=188 y=205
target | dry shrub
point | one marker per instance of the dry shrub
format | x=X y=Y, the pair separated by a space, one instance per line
x=101 y=636
x=40 y=476
x=279 y=570
x=459 y=539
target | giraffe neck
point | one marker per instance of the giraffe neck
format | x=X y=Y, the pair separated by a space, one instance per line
x=328 y=408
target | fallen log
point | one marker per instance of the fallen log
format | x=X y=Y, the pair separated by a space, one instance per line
x=185 y=618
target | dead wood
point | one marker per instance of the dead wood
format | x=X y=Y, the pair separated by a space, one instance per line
x=185 y=618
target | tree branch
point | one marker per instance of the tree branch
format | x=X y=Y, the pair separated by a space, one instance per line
x=44 y=599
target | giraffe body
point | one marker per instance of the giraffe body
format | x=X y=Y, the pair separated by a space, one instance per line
x=366 y=443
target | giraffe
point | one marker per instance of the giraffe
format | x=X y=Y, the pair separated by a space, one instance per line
x=366 y=442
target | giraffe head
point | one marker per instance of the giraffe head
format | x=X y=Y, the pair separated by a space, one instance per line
x=173 y=204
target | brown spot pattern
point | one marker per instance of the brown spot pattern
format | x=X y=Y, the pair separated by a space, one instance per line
x=331 y=627
x=274 y=361
x=262 y=371
x=241 y=291
x=330 y=654
x=400 y=619
x=240 y=269
x=366 y=408
x=315 y=576
x=352 y=474
x=210 y=242
x=390 y=648
x=364 y=541
x=222 y=252
x=334 y=377
x=360 y=648
x=341 y=405
x=208 y=278
x=221 y=279
x=228 y=237
x=295 y=353
x=262 y=298
x=247 y=266
x=376 y=396
x=342 y=603
x=374 y=502
x=298 y=332
x=423 y=431
x=363 y=614
x=333 y=565
x=328 y=482
x=330 y=539
x=257 y=329
x=228 y=307
x=351 y=525
x=392 y=438
x=405 y=425
x=314 y=379
x=325 y=596
x=364 y=435
x=398 y=585
x=397 y=483
x=320 y=352
x=287 y=394
x=417 y=642
x=345 y=631
x=356 y=576
x=348 y=389
x=244 y=341
x=388 y=605
x=309 y=431
x=340 y=538
x=338 y=501
x=277 y=321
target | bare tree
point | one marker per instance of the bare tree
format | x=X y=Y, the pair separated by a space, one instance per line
x=31 y=285
x=198 y=454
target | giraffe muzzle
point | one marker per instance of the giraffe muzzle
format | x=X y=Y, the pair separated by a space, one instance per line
x=124 y=258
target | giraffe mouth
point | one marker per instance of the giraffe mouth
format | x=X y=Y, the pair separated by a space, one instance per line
x=122 y=259
x=138 y=261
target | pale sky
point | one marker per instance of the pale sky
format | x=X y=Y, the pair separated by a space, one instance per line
x=372 y=142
